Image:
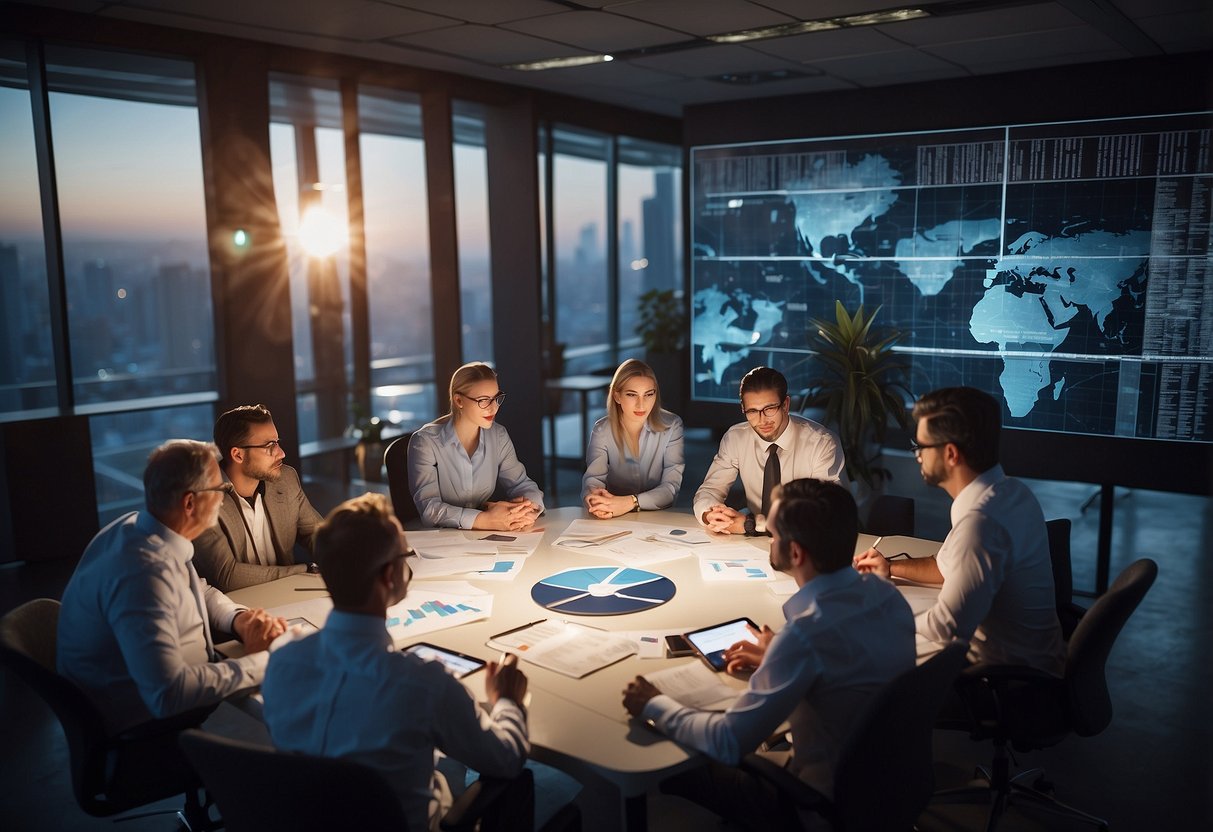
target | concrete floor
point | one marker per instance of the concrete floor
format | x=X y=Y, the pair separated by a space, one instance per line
x=1151 y=769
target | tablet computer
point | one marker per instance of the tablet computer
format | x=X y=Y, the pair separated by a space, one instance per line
x=457 y=664
x=711 y=642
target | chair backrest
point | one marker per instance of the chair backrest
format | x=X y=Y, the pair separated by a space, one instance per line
x=1068 y=613
x=396 y=459
x=27 y=647
x=891 y=515
x=258 y=789
x=1090 y=705
x=891 y=744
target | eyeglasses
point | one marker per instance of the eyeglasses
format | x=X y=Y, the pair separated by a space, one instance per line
x=268 y=447
x=918 y=449
x=765 y=412
x=485 y=401
x=225 y=487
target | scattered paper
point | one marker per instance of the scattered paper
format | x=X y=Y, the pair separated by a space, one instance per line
x=425 y=610
x=694 y=685
x=715 y=570
x=783 y=587
x=564 y=646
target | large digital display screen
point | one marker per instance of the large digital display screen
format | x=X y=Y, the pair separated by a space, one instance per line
x=1063 y=267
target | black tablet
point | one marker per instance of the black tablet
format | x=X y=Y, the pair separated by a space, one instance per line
x=711 y=642
x=458 y=664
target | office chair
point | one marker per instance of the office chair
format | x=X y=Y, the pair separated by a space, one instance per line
x=111 y=774
x=1027 y=709
x=259 y=789
x=1068 y=613
x=890 y=743
x=396 y=459
x=891 y=515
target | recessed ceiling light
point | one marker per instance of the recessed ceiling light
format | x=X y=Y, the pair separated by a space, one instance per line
x=801 y=27
x=561 y=63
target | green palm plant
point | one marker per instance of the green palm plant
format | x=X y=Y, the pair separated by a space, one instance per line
x=860 y=386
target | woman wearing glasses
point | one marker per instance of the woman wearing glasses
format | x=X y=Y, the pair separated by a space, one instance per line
x=634 y=459
x=458 y=462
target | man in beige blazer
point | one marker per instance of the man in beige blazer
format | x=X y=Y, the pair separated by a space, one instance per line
x=266 y=513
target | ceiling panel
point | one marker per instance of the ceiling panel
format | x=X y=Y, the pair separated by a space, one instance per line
x=1025 y=50
x=898 y=64
x=700 y=91
x=623 y=74
x=713 y=60
x=489 y=45
x=702 y=17
x=1181 y=32
x=482 y=11
x=359 y=19
x=993 y=23
x=835 y=43
x=597 y=31
x=817 y=9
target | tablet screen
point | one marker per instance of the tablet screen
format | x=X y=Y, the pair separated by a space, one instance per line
x=457 y=664
x=711 y=642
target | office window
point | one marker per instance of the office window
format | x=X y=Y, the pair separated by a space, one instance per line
x=308 y=157
x=397 y=257
x=27 y=368
x=128 y=164
x=579 y=207
x=472 y=229
x=650 y=229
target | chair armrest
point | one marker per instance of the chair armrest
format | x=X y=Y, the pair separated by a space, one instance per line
x=169 y=725
x=801 y=794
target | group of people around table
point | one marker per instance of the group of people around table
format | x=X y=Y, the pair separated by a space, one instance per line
x=143 y=610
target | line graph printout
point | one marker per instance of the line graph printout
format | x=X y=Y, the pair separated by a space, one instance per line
x=1065 y=268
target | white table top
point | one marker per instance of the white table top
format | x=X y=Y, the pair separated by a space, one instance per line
x=580 y=722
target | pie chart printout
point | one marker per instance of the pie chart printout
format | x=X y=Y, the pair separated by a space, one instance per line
x=603 y=590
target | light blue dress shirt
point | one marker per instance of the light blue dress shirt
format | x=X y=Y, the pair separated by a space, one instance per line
x=133 y=628
x=449 y=487
x=654 y=477
x=846 y=635
x=346 y=692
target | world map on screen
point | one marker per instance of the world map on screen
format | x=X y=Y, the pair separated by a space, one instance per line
x=1062 y=268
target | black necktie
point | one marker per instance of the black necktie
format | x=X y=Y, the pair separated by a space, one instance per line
x=770 y=477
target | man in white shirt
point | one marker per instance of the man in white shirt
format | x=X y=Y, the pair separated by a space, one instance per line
x=346 y=692
x=845 y=636
x=135 y=626
x=266 y=513
x=994 y=564
x=771 y=447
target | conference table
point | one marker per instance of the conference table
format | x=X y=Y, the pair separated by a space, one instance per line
x=579 y=725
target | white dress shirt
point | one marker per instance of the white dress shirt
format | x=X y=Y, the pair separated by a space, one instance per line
x=346 y=692
x=654 y=477
x=449 y=487
x=997 y=579
x=131 y=630
x=806 y=449
x=846 y=636
x=257 y=529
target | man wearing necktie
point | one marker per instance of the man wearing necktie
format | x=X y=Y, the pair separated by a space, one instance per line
x=771 y=447
x=135 y=625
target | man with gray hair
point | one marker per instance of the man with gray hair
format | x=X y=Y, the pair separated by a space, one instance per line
x=135 y=625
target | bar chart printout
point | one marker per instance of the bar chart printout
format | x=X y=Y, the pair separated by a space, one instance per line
x=425 y=611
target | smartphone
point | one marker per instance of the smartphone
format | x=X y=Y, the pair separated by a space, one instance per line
x=457 y=664
x=677 y=647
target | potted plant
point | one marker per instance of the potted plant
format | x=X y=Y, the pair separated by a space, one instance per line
x=368 y=452
x=860 y=388
x=662 y=326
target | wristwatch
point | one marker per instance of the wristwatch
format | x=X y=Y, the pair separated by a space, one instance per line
x=750 y=526
x=635 y=503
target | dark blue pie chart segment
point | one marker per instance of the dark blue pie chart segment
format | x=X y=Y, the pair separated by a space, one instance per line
x=602 y=590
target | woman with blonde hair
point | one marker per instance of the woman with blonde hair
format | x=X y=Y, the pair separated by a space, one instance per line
x=634 y=459
x=458 y=462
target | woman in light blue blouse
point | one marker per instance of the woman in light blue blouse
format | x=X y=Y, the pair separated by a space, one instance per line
x=634 y=459
x=458 y=462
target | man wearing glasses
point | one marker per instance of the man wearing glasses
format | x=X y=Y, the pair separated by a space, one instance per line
x=135 y=626
x=770 y=447
x=266 y=513
x=994 y=564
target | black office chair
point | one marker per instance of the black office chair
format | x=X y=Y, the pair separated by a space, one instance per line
x=111 y=774
x=891 y=515
x=1028 y=709
x=890 y=743
x=1068 y=613
x=396 y=459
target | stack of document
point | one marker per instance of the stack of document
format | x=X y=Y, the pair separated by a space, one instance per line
x=491 y=555
x=695 y=686
x=564 y=646
x=735 y=562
